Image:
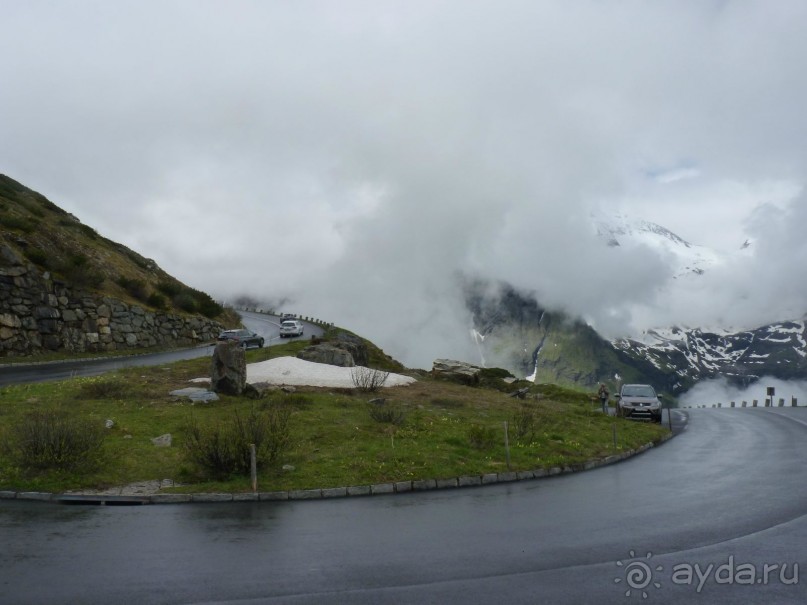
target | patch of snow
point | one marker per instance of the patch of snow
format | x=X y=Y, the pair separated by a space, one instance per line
x=297 y=372
x=769 y=339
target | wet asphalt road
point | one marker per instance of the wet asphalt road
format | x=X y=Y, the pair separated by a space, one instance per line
x=728 y=491
x=265 y=325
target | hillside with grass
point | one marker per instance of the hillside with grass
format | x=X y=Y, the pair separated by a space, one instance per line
x=51 y=264
x=516 y=333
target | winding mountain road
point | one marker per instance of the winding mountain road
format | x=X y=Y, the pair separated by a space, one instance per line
x=267 y=326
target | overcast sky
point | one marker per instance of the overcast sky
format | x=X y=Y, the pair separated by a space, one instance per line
x=358 y=158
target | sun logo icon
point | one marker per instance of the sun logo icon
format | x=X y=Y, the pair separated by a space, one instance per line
x=638 y=574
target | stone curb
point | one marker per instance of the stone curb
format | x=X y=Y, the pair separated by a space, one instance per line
x=397 y=487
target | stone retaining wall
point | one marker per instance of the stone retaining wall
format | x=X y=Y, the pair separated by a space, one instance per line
x=39 y=314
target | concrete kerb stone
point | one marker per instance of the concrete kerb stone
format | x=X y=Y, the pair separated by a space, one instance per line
x=211 y=497
x=305 y=494
x=334 y=492
x=171 y=498
x=267 y=496
x=366 y=490
x=382 y=488
x=43 y=496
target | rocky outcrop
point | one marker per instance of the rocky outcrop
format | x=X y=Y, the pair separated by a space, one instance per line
x=456 y=371
x=328 y=353
x=353 y=345
x=344 y=350
x=228 y=369
x=40 y=314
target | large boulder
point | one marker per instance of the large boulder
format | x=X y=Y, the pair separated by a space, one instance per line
x=228 y=369
x=328 y=353
x=456 y=371
x=353 y=345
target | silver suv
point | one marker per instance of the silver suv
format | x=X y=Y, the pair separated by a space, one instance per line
x=639 y=402
x=291 y=328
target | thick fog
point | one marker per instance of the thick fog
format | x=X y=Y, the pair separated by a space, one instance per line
x=360 y=159
x=711 y=392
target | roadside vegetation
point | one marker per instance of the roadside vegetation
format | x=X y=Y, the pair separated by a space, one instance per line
x=312 y=437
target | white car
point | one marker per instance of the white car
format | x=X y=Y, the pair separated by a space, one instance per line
x=290 y=328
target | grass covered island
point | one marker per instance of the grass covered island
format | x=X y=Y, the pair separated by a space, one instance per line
x=57 y=436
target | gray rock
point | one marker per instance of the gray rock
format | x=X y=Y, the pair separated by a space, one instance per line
x=288 y=467
x=162 y=440
x=456 y=371
x=196 y=394
x=228 y=369
x=328 y=354
x=353 y=345
x=109 y=423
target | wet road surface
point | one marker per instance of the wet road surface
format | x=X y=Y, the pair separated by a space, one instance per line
x=729 y=490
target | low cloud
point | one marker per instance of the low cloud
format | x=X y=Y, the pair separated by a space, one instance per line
x=711 y=392
x=361 y=160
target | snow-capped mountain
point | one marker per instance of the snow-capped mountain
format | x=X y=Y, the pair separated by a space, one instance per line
x=778 y=350
x=687 y=259
x=513 y=331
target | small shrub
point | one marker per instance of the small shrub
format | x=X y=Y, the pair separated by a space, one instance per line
x=170 y=289
x=446 y=403
x=18 y=223
x=104 y=388
x=385 y=412
x=51 y=439
x=136 y=288
x=157 y=301
x=32 y=207
x=222 y=449
x=206 y=305
x=88 y=231
x=78 y=271
x=37 y=256
x=481 y=437
x=368 y=380
x=524 y=423
x=185 y=302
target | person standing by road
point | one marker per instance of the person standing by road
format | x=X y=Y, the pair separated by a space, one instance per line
x=602 y=394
